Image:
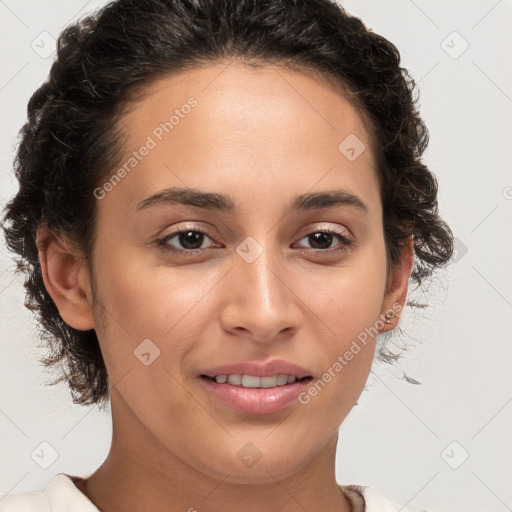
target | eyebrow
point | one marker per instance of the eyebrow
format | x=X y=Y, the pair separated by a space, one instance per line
x=225 y=203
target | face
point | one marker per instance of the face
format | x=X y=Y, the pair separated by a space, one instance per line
x=274 y=270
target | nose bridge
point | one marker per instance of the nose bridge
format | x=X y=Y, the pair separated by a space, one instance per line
x=259 y=299
x=257 y=271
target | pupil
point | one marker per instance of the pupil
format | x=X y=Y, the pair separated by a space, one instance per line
x=188 y=238
x=317 y=238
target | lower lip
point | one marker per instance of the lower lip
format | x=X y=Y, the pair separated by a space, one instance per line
x=256 y=400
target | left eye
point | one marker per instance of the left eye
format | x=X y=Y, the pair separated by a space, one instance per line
x=325 y=237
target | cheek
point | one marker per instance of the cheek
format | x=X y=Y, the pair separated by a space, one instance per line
x=348 y=298
x=142 y=302
x=347 y=306
x=146 y=298
x=346 y=351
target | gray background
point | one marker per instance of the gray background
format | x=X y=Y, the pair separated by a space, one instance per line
x=410 y=441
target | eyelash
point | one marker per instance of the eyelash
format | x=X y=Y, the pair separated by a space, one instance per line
x=344 y=246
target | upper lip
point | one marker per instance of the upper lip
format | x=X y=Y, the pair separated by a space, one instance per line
x=259 y=369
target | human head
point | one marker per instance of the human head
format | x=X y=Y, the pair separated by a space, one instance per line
x=73 y=138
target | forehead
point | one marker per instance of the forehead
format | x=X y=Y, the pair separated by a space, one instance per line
x=231 y=94
x=231 y=123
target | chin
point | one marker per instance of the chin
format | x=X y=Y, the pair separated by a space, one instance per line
x=249 y=465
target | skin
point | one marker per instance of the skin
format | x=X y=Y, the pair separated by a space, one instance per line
x=262 y=136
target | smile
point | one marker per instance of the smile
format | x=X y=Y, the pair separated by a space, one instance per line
x=253 y=381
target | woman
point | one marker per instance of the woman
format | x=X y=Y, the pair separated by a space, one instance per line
x=220 y=207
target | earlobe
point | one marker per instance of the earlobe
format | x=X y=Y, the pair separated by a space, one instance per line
x=397 y=285
x=66 y=279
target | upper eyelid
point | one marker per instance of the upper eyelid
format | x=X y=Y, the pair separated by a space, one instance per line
x=306 y=232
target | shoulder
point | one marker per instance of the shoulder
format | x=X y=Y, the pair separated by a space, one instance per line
x=59 y=495
x=375 y=501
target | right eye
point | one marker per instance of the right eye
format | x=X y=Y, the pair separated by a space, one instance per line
x=189 y=239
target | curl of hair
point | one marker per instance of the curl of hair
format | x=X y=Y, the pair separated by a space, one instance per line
x=71 y=138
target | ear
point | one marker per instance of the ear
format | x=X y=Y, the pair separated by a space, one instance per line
x=66 y=278
x=397 y=284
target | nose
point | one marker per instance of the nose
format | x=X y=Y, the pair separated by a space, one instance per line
x=260 y=303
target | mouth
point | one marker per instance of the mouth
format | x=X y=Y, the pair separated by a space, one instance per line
x=256 y=387
x=253 y=381
x=254 y=395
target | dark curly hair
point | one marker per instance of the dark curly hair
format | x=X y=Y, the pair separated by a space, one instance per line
x=72 y=137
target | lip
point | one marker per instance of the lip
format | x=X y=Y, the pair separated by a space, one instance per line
x=259 y=369
x=257 y=401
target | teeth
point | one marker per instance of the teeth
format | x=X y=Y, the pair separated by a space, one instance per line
x=252 y=381
x=281 y=380
x=268 y=382
x=236 y=380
